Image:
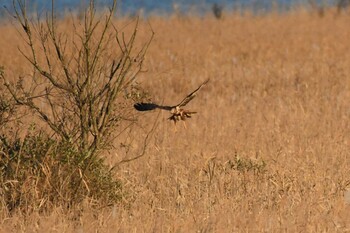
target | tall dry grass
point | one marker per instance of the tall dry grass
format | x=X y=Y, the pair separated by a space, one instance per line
x=268 y=149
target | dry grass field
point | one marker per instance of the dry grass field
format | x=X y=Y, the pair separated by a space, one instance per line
x=269 y=149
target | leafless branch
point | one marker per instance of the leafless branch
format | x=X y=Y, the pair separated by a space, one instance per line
x=79 y=92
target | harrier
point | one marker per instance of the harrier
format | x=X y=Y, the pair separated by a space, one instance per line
x=177 y=113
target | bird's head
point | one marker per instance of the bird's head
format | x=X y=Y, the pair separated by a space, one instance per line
x=175 y=110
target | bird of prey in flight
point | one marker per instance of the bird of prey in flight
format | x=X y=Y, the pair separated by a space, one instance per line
x=177 y=113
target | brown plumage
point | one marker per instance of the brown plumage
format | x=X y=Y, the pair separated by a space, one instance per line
x=177 y=113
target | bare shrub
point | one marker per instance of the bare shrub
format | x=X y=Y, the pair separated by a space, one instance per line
x=81 y=86
x=319 y=8
x=7 y=107
x=342 y=5
x=79 y=79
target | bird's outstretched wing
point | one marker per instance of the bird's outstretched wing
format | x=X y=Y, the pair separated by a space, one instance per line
x=150 y=106
x=192 y=95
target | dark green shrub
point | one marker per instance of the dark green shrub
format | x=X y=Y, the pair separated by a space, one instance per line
x=39 y=172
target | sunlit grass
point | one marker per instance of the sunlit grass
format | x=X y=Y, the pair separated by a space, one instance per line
x=268 y=149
